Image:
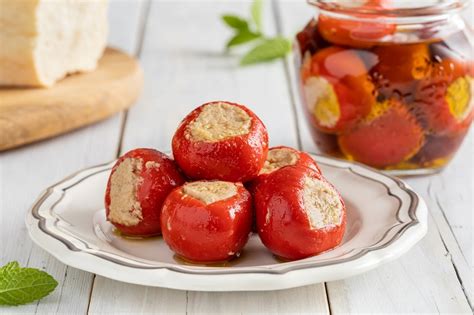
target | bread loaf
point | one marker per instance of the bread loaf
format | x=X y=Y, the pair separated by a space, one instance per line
x=41 y=41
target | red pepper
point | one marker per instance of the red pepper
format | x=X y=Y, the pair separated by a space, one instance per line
x=445 y=98
x=363 y=31
x=388 y=135
x=286 y=222
x=138 y=184
x=206 y=231
x=232 y=158
x=277 y=158
x=400 y=67
x=337 y=89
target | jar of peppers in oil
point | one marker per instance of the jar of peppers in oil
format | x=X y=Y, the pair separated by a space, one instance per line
x=388 y=83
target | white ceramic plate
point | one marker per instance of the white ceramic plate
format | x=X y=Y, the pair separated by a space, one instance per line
x=385 y=219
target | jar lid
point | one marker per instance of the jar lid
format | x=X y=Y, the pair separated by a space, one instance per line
x=391 y=8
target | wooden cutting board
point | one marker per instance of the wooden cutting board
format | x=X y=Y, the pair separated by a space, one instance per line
x=32 y=114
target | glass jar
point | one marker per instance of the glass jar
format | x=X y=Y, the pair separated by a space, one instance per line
x=388 y=83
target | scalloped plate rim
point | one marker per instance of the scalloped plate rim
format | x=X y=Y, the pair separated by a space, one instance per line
x=286 y=275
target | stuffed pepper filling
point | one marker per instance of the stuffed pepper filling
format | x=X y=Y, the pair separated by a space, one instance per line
x=459 y=97
x=210 y=192
x=322 y=101
x=124 y=207
x=322 y=203
x=278 y=158
x=218 y=121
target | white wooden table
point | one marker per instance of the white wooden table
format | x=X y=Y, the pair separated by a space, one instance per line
x=180 y=46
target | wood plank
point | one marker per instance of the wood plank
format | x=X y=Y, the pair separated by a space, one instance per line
x=112 y=297
x=30 y=115
x=423 y=280
x=125 y=24
x=25 y=172
x=181 y=73
x=302 y=300
x=452 y=192
x=449 y=196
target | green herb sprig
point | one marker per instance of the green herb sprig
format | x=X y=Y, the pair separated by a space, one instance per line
x=247 y=31
x=23 y=285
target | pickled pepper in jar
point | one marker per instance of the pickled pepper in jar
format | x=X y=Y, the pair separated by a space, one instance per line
x=388 y=84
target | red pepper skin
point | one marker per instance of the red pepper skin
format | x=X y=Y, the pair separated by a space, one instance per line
x=391 y=137
x=304 y=160
x=156 y=183
x=236 y=159
x=336 y=64
x=207 y=233
x=431 y=97
x=359 y=34
x=346 y=72
x=287 y=232
x=400 y=75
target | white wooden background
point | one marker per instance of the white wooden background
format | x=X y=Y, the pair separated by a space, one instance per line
x=180 y=46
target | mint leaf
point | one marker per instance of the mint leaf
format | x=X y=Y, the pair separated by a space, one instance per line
x=242 y=38
x=256 y=11
x=268 y=50
x=235 y=22
x=10 y=266
x=23 y=285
